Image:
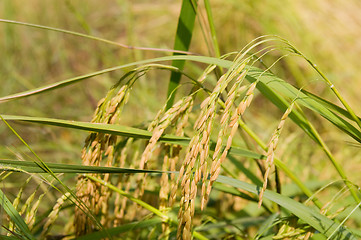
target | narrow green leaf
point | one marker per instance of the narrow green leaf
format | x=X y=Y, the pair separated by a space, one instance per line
x=266 y=226
x=312 y=217
x=15 y=216
x=142 y=134
x=272 y=86
x=212 y=28
x=182 y=41
x=121 y=131
x=250 y=175
x=279 y=85
x=122 y=229
x=64 y=83
x=240 y=223
x=329 y=105
x=32 y=167
x=89 y=37
x=9 y=237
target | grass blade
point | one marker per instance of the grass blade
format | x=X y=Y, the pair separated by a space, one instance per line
x=312 y=217
x=15 y=216
x=122 y=229
x=121 y=131
x=272 y=86
x=32 y=167
x=182 y=41
x=64 y=83
x=143 y=134
x=90 y=37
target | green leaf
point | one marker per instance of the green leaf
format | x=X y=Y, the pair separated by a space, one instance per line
x=329 y=105
x=312 y=217
x=32 y=167
x=15 y=216
x=64 y=83
x=274 y=88
x=182 y=41
x=121 y=229
x=121 y=131
x=143 y=134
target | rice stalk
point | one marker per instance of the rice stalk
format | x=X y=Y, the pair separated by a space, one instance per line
x=228 y=120
x=16 y=203
x=159 y=125
x=127 y=213
x=272 y=145
x=31 y=214
x=28 y=210
x=170 y=161
x=54 y=214
x=94 y=195
x=120 y=202
x=195 y=166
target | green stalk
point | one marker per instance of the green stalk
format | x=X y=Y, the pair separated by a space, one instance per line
x=212 y=28
x=333 y=88
x=92 y=37
x=336 y=165
x=217 y=53
x=338 y=95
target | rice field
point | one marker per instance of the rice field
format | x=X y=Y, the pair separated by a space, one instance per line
x=180 y=119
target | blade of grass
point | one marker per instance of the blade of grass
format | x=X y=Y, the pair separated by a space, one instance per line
x=182 y=41
x=32 y=167
x=59 y=84
x=273 y=87
x=121 y=131
x=329 y=105
x=142 y=134
x=212 y=28
x=15 y=216
x=312 y=217
x=268 y=81
x=90 y=37
x=145 y=205
x=9 y=237
x=332 y=87
x=122 y=229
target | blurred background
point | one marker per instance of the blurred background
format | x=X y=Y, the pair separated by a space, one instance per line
x=326 y=31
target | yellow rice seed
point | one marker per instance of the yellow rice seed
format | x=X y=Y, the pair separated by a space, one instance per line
x=205 y=102
x=214 y=176
x=251 y=88
x=193 y=190
x=241 y=108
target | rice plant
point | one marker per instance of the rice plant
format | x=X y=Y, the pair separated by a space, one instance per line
x=226 y=148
